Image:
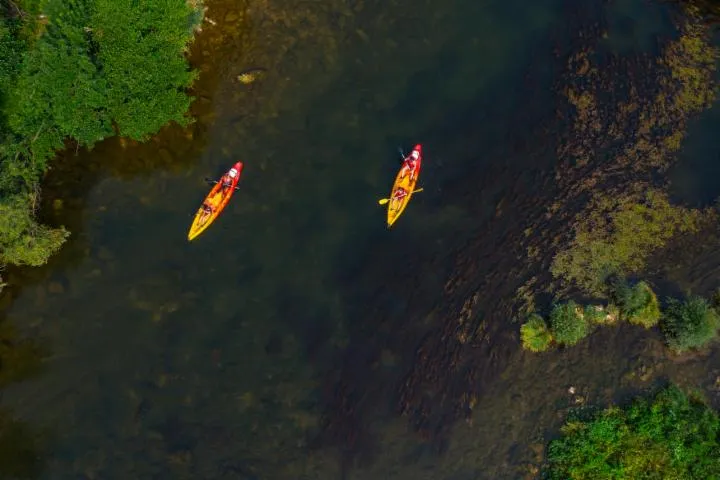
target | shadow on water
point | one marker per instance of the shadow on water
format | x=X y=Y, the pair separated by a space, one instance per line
x=20 y=451
x=21 y=444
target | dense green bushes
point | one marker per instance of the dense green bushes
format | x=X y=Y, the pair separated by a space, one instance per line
x=689 y=324
x=638 y=304
x=24 y=241
x=83 y=70
x=686 y=325
x=670 y=436
x=568 y=323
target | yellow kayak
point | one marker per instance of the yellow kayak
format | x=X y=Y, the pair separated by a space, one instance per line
x=215 y=201
x=404 y=186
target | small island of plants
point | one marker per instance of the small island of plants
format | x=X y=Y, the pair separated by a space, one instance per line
x=686 y=324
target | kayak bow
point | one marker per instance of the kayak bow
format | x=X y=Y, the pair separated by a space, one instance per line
x=397 y=207
x=217 y=199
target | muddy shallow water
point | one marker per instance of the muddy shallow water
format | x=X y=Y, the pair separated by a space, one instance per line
x=298 y=337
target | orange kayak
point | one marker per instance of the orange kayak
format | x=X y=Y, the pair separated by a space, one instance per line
x=396 y=206
x=215 y=201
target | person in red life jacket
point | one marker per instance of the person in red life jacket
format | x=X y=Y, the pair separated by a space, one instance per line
x=398 y=195
x=227 y=181
x=410 y=164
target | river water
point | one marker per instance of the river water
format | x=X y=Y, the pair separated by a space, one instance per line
x=276 y=344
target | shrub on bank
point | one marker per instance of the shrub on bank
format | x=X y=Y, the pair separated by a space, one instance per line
x=669 y=436
x=535 y=334
x=568 y=324
x=689 y=324
x=638 y=303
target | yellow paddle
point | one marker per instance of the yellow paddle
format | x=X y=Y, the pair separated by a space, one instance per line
x=383 y=201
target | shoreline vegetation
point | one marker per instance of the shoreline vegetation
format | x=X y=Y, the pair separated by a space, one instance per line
x=669 y=435
x=75 y=72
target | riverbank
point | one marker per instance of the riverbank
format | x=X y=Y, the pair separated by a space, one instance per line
x=70 y=73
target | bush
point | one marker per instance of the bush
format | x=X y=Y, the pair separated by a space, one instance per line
x=638 y=304
x=671 y=436
x=535 y=334
x=567 y=323
x=689 y=324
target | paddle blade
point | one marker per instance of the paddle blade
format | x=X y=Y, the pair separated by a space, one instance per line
x=383 y=201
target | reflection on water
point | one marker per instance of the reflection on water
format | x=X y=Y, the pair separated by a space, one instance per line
x=291 y=323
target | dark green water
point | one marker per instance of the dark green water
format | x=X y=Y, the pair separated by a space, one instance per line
x=276 y=344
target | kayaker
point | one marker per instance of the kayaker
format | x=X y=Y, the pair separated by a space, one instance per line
x=398 y=195
x=206 y=211
x=227 y=180
x=410 y=163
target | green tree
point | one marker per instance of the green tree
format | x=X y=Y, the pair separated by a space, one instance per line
x=84 y=70
x=140 y=50
x=670 y=436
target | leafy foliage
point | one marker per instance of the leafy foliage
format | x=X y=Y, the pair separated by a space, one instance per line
x=617 y=237
x=140 y=47
x=689 y=324
x=671 y=436
x=535 y=334
x=567 y=323
x=638 y=304
x=22 y=240
x=86 y=70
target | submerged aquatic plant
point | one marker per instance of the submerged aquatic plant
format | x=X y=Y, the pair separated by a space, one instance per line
x=617 y=236
x=535 y=334
x=690 y=324
x=568 y=324
x=670 y=436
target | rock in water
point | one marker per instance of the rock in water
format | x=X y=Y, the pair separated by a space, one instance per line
x=250 y=75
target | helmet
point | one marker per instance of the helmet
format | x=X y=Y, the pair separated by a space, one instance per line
x=415 y=154
x=233 y=173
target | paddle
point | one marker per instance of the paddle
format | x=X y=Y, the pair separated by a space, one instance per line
x=383 y=201
x=213 y=182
